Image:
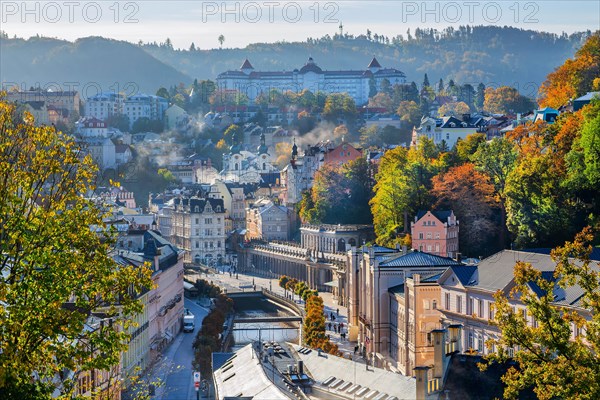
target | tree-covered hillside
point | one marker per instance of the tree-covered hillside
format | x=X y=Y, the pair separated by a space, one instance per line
x=91 y=63
x=493 y=55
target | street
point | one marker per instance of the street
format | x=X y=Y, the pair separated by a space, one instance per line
x=176 y=366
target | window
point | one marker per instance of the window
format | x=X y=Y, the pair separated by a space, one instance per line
x=447 y=300
x=434 y=304
x=480 y=313
x=429 y=235
x=491 y=311
x=426 y=304
x=437 y=235
x=421 y=235
x=458 y=304
x=470 y=307
x=480 y=343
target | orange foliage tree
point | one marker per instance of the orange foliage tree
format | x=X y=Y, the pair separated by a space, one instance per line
x=575 y=77
x=471 y=195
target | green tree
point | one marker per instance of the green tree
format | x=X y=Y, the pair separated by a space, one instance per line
x=385 y=86
x=119 y=121
x=409 y=112
x=496 y=159
x=467 y=147
x=56 y=268
x=584 y=157
x=480 y=96
x=426 y=81
x=164 y=93
x=549 y=359
x=339 y=105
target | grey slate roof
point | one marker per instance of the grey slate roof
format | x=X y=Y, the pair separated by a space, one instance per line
x=442 y=215
x=497 y=271
x=464 y=273
x=418 y=259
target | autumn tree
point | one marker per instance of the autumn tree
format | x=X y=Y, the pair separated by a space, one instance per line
x=381 y=100
x=339 y=106
x=339 y=196
x=409 y=112
x=575 y=77
x=454 y=109
x=470 y=195
x=403 y=184
x=56 y=264
x=227 y=98
x=505 y=100
x=558 y=355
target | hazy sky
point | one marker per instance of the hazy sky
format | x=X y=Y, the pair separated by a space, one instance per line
x=247 y=22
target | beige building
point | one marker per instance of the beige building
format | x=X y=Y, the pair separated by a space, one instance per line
x=372 y=272
x=198 y=227
x=67 y=100
x=413 y=315
x=233 y=198
x=267 y=220
x=467 y=295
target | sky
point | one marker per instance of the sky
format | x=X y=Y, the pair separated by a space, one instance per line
x=245 y=22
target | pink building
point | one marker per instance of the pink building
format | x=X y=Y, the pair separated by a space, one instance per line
x=342 y=154
x=435 y=232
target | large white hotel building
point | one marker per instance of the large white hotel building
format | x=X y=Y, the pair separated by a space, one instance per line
x=356 y=83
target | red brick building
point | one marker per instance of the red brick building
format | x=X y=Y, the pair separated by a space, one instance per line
x=435 y=232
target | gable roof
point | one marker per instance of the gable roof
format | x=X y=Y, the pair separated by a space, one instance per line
x=464 y=273
x=442 y=215
x=246 y=65
x=374 y=63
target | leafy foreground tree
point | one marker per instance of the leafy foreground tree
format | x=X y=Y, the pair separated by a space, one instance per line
x=55 y=269
x=550 y=360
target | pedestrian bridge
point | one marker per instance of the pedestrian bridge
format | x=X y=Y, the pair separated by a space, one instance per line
x=267 y=319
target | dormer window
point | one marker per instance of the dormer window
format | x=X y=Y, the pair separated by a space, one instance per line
x=197 y=209
x=218 y=208
x=452 y=125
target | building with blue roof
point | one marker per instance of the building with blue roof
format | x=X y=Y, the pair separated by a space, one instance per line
x=379 y=317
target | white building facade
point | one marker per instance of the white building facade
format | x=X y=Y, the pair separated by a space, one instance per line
x=310 y=77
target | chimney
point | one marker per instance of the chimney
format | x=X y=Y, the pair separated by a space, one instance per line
x=439 y=352
x=458 y=257
x=300 y=367
x=422 y=381
x=404 y=249
x=466 y=117
x=416 y=279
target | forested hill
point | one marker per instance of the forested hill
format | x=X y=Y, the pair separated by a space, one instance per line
x=92 y=63
x=492 y=55
x=469 y=55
